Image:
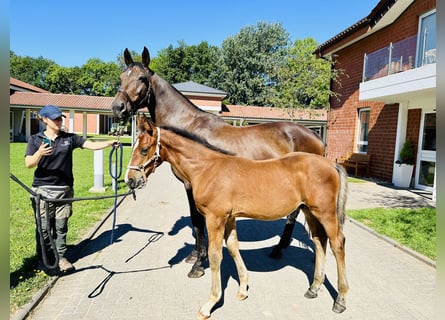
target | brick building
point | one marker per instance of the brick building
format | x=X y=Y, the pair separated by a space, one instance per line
x=388 y=89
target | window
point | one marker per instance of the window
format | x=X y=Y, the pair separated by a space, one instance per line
x=429 y=132
x=363 y=129
x=426 y=46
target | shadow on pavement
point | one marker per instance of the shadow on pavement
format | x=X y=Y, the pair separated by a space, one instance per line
x=90 y=246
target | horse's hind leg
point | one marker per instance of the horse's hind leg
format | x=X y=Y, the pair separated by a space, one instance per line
x=286 y=236
x=319 y=239
x=199 y=253
x=233 y=247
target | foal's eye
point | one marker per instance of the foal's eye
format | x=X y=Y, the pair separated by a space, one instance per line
x=144 y=151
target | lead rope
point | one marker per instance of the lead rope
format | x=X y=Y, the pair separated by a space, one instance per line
x=38 y=218
x=115 y=175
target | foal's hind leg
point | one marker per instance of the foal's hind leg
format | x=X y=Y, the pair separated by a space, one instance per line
x=319 y=239
x=286 y=236
x=233 y=247
x=337 y=243
x=199 y=254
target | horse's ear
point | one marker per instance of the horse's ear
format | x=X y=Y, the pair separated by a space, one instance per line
x=127 y=57
x=145 y=57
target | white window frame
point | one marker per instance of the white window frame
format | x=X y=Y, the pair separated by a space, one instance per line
x=361 y=142
x=421 y=52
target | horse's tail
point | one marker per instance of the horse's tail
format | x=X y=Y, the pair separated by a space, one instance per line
x=341 y=200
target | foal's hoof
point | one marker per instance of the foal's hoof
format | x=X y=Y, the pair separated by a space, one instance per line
x=311 y=294
x=202 y=316
x=241 y=296
x=339 y=305
x=276 y=253
x=197 y=272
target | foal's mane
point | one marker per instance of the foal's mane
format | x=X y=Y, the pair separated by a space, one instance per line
x=196 y=138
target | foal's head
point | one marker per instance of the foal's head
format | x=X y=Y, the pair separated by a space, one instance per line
x=135 y=88
x=146 y=154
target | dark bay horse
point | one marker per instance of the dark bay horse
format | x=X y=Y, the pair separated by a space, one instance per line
x=226 y=187
x=141 y=87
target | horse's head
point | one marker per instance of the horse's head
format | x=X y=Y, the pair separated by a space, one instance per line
x=146 y=154
x=135 y=88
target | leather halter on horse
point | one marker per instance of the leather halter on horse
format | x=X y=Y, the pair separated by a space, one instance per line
x=153 y=159
x=144 y=101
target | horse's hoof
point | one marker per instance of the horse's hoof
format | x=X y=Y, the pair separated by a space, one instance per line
x=196 y=272
x=339 y=305
x=276 y=253
x=310 y=294
x=201 y=316
x=192 y=257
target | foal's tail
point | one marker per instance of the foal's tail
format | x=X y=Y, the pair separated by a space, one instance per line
x=341 y=200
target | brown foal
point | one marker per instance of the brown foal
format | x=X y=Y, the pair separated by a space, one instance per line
x=226 y=187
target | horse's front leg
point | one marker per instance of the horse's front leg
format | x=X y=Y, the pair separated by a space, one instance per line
x=199 y=253
x=215 y=229
x=286 y=237
x=233 y=247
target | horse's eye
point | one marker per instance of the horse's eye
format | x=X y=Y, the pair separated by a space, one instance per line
x=144 y=151
x=143 y=79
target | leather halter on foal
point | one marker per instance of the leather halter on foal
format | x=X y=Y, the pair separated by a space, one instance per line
x=153 y=158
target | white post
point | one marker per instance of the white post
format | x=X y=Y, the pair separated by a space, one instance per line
x=85 y=124
x=98 y=171
x=71 y=121
x=434 y=185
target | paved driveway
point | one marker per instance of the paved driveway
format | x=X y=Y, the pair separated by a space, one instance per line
x=142 y=275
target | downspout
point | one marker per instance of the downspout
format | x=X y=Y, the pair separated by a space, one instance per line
x=325 y=129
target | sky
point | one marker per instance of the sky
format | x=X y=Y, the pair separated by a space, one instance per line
x=69 y=32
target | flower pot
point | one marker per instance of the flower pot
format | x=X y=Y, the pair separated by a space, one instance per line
x=402 y=175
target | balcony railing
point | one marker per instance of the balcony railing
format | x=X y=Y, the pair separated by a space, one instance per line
x=397 y=57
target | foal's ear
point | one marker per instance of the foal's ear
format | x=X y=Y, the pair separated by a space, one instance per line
x=141 y=121
x=145 y=57
x=150 y=127
x=127 y=57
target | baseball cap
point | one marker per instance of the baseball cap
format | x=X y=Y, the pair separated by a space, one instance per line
x=52 y=112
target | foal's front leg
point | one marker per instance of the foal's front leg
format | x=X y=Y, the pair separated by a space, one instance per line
x=215 y=230
x=233 y=247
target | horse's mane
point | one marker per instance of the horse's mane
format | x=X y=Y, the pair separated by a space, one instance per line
x=187 y=100
x=196 y=138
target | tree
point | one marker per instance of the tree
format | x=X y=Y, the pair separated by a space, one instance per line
x=63 y=79
x=95 y=77
x=249 y=63
x=187 y=63
x=98 y=78
x=30 y=70
x=304 y=81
